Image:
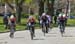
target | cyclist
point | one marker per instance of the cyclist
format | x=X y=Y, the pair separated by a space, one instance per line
x=31 y=22
x=5 y=20
x=61 y=21
x=12 y=22
x=44 y=20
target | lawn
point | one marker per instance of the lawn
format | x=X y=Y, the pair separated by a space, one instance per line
x=22 y=26
x=71 y=22
x=18 y=27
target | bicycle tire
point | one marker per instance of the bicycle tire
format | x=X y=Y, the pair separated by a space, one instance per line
x=44 y=29
x=31 y=33
x=11 y=35
x=32 y=36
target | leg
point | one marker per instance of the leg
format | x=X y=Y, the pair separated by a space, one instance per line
x=33 y=30
x=60 y=26
x=42 y=24
x=46 y=28
x=63 y=27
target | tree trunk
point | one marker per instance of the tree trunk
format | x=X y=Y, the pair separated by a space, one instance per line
x=19 y=10
x=41 y=7
x=67 y=7
x=50 y=7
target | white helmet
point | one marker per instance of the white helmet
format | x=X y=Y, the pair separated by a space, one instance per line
x=12 y=16
x=43 y=14
x=30 y=17
x=64 y=15
x=60 y=15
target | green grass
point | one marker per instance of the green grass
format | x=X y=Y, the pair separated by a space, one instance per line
x=18 y=27
x=22 y=26
x=2 y=29
x=71 y=22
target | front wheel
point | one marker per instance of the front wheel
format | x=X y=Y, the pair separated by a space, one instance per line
x=32 y=32
x=62 y=30
x=44 y=29
x=32 y=35
x=11 y=35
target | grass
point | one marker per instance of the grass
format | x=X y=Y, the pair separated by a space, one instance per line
x=22 y=26
x=2 y=29
x=18 y=27
x=71 y=22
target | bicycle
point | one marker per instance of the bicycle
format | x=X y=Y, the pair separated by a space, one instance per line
x=12 y=30
x=31 y=29
x=44 y=28
x=62 y=28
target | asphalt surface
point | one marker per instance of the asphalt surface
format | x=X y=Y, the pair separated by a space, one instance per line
x=53 y=37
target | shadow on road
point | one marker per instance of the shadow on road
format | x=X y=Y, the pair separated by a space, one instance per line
x=18 y=37
x=68 y=36
x=39 y=39
x=50 y=35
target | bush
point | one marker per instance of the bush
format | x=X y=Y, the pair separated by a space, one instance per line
x=73 y=14
x=25 y=15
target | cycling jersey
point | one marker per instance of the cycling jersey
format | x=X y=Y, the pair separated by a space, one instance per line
x=31 y=20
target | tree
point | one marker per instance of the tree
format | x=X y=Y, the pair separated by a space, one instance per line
x=50 y=6
x=19 y=4
x=19 y=9
x=41 y=7
x=9 y=3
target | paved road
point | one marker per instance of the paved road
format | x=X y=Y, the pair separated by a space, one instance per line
x=53 y=37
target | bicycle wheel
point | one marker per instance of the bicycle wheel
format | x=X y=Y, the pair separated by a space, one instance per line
x=44 y=29
x=31 y=33
x=62 y=31
x=12 y=30
x=11 y=35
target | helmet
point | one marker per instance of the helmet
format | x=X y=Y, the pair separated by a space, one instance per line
x=60 y=15
x=64 y=15
x=12 y=16
x=43 y=14
x=30 y=17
